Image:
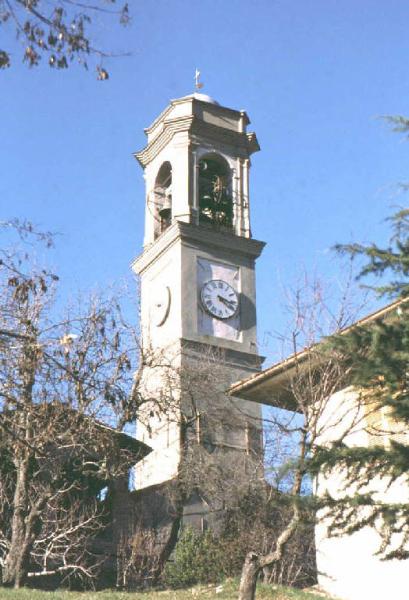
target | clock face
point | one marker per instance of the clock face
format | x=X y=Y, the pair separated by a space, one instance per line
x=219 y=299
x=160 y=306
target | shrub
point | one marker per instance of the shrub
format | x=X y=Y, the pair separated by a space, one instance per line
x=198 y=558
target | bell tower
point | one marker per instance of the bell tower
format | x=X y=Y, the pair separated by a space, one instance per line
x=197 y=273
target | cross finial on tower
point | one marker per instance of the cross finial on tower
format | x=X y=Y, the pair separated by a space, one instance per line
x=198 y=84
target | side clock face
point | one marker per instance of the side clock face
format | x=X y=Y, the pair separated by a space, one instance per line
x=160 y=306
x=219 y=299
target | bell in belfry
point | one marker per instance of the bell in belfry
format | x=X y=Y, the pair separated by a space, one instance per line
x=165 y=212
x=166 y=208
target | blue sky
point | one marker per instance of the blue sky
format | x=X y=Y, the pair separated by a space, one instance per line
x=313 y=76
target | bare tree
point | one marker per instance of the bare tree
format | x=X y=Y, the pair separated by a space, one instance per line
x=303 y=417
x=59 y=30
x=138 y=557
x=64 y=399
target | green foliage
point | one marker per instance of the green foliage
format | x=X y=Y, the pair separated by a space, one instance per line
x=399 y=124
x=376 y=355
x=392 y=260
x=198 y=558
x=254 y=524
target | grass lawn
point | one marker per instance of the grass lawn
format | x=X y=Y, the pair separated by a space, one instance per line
x=229 y=592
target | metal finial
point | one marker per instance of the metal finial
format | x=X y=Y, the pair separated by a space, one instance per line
x=198 y=84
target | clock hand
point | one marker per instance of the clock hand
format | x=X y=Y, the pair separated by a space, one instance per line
x=228 y=303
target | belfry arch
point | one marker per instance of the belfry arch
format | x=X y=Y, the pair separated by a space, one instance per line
x=163 y=198
x=215 y=191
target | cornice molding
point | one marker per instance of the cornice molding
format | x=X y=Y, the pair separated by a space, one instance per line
x=156 y=249
x=242 y=141
x=232 y=356
x=198 y=235
x=191 y=100
x=206 y=236
x=171 y=127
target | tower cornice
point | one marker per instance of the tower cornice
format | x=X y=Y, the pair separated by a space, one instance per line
x=233 y=355
x=197 y=236
x=213 y=123
x=152 y=149
x=245 y=141
x=192 y=100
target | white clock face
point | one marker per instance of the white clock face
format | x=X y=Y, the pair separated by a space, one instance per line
x=219 y=299
x=160 y=306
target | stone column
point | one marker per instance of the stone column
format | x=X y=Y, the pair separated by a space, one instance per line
x=246 y=230
x=238 y=197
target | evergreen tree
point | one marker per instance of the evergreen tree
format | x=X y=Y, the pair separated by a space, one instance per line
x=376 y=355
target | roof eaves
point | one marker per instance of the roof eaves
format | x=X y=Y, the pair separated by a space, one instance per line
x=285 y=365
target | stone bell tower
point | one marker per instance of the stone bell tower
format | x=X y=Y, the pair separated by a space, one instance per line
x=197 y=272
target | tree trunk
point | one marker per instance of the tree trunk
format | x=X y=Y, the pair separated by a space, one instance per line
x=249 y=574
x=254 y=563
x=15 y=567
x=168 y=546
x=17 y=561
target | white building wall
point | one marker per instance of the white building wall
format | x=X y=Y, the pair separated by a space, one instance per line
x=348 y=567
